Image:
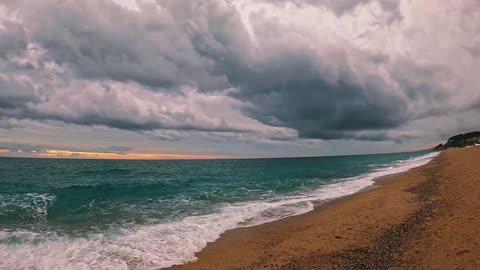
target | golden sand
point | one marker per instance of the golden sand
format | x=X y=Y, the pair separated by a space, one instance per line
x=427 y=218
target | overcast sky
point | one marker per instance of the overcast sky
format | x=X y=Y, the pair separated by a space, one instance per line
x=235 y=78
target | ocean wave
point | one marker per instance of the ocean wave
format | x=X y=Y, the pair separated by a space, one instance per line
x=32 y=206
x=170 y=243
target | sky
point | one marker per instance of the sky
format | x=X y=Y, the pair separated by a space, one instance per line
x=162 y=79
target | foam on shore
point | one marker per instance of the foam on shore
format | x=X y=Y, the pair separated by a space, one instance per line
x=171 y=243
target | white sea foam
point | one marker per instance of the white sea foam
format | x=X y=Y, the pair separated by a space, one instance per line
x=171 y=243
x=34 y=205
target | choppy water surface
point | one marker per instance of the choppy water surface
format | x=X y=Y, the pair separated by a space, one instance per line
x=123 y=214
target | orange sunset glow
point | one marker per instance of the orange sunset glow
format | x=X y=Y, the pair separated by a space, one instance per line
x=57 y=153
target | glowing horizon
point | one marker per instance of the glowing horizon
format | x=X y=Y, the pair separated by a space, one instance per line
x=59 y=153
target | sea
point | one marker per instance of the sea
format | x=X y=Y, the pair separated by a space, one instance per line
x=150 y=214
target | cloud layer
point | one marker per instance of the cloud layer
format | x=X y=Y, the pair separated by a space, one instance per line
x=244 y=70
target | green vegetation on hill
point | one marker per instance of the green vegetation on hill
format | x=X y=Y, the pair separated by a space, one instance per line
x=460 y=140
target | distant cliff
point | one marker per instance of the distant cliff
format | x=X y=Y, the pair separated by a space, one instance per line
x=460 y=140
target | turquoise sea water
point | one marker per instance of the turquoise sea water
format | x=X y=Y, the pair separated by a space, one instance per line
x=124 y=214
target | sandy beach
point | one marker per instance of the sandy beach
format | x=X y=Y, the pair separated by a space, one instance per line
x=426 y=218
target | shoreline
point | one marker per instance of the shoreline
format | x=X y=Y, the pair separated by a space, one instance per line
x=370 y=229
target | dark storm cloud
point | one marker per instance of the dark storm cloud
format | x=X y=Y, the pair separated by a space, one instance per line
x=318 y=109
x=125 y=122
x=323 y=88
x=322 y=100
x=306 y=100
x=100 y=39
x=14 y=94
x=120 y=118
x=76 y=42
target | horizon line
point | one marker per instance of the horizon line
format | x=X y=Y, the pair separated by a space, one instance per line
x=121 y=156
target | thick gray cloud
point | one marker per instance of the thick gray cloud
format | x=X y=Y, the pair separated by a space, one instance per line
x=131 y=108
x=391 y=8
x=101 y=40
x=98 y=40
x=6 y=123
x=13 y=39
x=15 y=93
x=351 y=69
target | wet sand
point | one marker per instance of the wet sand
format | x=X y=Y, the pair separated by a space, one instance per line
x=426 y=218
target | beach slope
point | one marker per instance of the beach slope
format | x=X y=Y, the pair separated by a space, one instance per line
x=426 y=218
